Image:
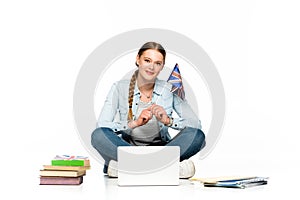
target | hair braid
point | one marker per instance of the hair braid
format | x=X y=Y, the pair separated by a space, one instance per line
x=130 y=94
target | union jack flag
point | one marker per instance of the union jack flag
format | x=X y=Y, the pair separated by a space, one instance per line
x=176 y=81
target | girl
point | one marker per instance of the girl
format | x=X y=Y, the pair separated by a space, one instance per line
x=144 y=105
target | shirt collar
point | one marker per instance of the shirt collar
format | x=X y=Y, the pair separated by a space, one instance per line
x=158 y=88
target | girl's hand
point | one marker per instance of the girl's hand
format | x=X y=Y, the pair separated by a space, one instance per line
x=144 y=117
x=160 y=114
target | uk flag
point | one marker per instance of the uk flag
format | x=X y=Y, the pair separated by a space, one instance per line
x=176 y=81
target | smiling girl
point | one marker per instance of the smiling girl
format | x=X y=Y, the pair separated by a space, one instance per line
x=144 y=106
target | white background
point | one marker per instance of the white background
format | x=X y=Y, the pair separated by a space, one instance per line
x=254 y=45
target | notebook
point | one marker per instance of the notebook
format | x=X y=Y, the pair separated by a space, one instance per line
x=148 y=165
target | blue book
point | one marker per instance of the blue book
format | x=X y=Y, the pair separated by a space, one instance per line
x=238 y=183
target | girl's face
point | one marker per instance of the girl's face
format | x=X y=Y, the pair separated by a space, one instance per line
x=150 y=63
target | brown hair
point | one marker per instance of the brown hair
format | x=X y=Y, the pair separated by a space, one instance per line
x=146 y=46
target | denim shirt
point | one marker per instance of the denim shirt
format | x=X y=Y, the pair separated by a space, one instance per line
x=115 y=109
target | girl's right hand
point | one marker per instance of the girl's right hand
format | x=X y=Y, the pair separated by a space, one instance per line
x=144 y=117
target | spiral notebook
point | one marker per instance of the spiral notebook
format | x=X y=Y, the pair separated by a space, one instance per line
x=233 y=182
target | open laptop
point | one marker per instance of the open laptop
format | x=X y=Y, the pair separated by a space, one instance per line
x=148 y=165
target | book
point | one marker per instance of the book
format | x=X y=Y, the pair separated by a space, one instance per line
x=64 y=170
x=238 y=183
x=67 y=160
x=233 y=182
x=63 y=173
x=67 y=168
x=53 y=180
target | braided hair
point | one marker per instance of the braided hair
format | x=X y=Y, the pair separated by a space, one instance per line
x=130 y=94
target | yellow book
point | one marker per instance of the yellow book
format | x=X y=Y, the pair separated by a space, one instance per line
x=66 y=168
x=63 y=173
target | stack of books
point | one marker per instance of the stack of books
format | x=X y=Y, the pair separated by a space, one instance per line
x=65 y=170
x=233 y=182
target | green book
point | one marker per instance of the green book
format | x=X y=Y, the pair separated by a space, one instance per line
x=66 y=160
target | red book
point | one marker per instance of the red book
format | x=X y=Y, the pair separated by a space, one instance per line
x=52 y=180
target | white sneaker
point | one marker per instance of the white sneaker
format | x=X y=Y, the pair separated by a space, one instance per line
x=112 y=170
x=186 y=169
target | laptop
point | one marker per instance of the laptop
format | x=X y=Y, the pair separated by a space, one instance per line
x=148 y=165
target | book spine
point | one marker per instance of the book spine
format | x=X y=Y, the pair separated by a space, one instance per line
x=62 y=173
x=66 y=168
x=69 y=163
x=255 y=180
x=245 y=181
x=60 y=180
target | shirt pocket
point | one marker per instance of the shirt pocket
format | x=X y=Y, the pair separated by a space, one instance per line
x=123 y=113
x=167 y=103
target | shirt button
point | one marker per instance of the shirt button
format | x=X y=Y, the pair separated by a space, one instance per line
x=160 y=126
x=124 y=127
x=175 y=125
x=116 y=130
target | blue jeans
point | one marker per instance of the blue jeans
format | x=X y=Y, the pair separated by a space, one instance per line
x=106 y=142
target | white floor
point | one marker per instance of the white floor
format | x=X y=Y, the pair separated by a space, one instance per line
x=282 y=183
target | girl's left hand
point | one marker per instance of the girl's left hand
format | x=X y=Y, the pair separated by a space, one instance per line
x=160 y=114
